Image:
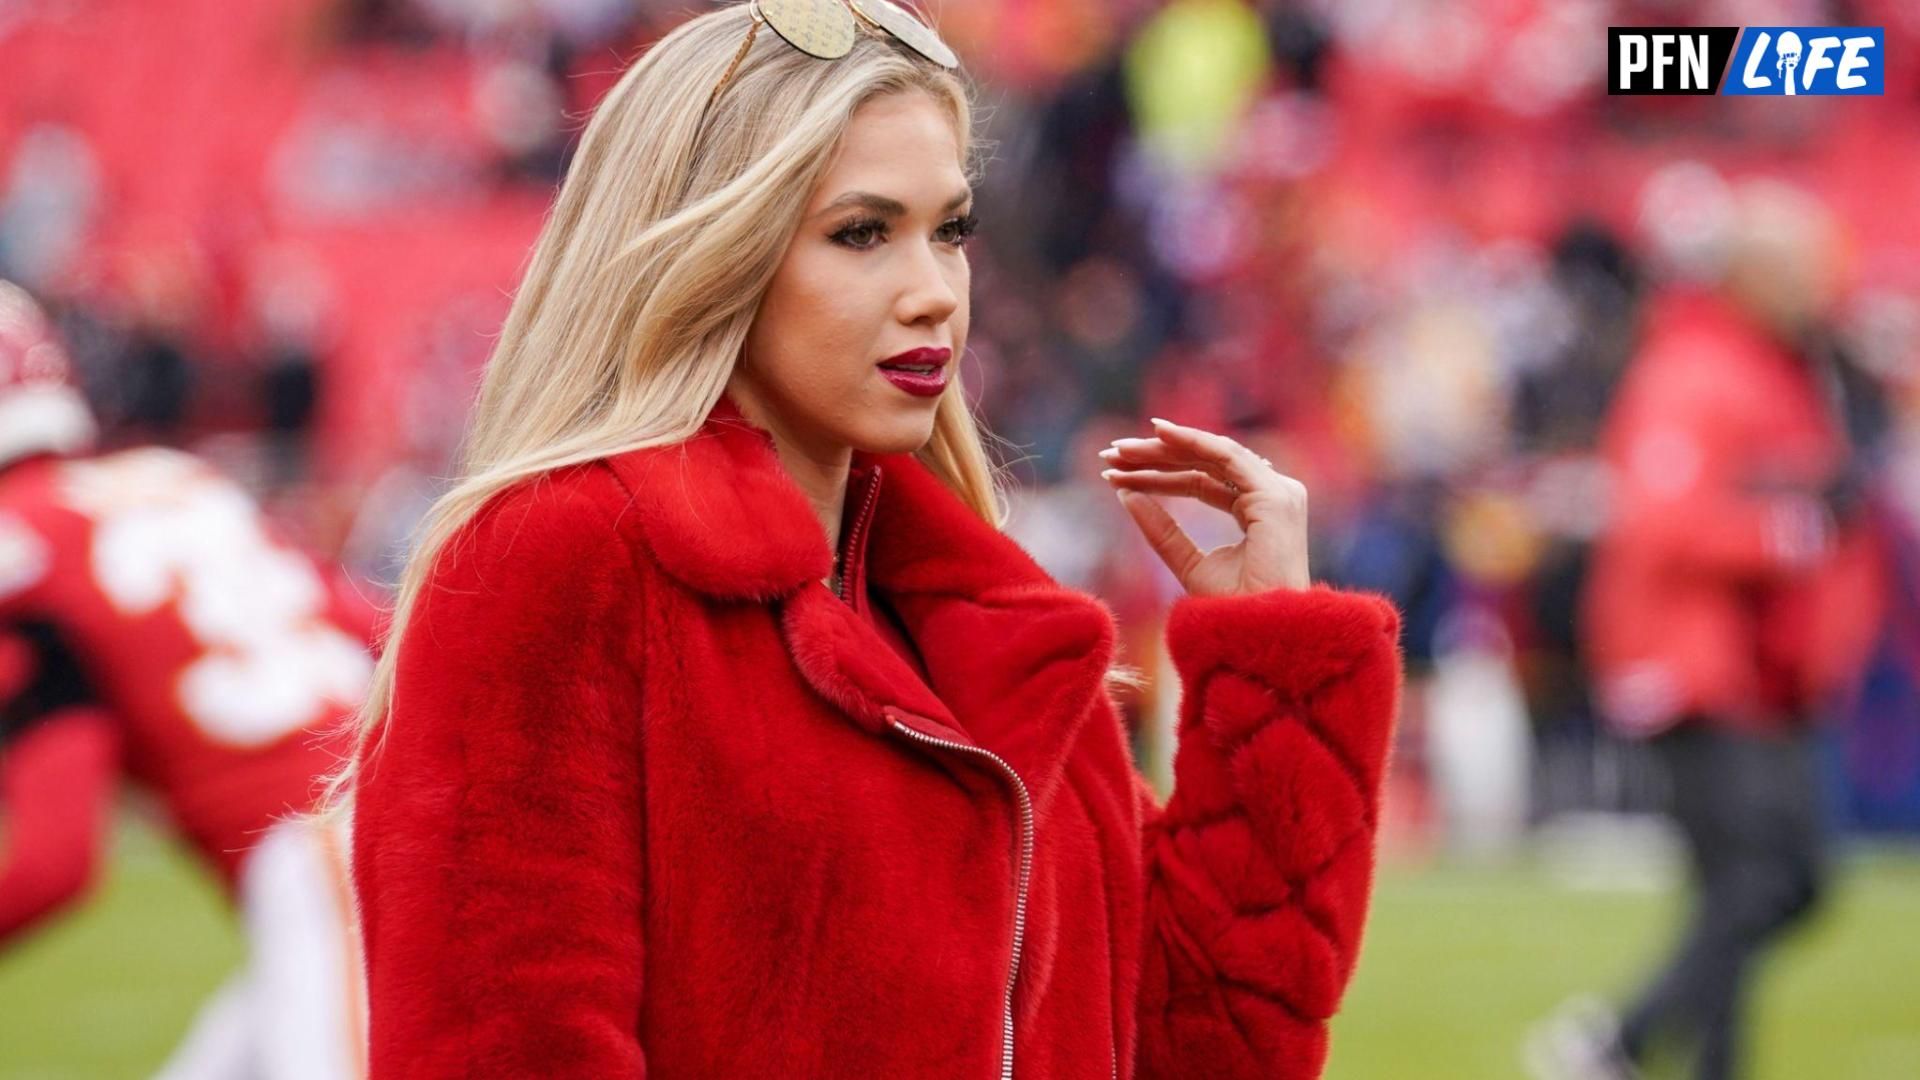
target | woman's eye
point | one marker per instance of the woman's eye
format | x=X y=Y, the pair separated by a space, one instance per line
x=859 y=234
x=862 y=235
x=957 y=230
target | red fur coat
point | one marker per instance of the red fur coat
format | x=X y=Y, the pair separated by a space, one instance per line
x=654 y=802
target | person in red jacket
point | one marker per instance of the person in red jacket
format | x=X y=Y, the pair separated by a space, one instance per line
x=153 y=627
x=725 y=733
x=1734 y=590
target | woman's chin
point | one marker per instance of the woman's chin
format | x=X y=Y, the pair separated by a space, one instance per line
x=903 y=435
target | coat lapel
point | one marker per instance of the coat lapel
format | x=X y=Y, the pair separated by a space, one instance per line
x=1015 y=661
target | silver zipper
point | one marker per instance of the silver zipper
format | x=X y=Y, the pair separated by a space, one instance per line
x=860 y=522
x=1020 y=894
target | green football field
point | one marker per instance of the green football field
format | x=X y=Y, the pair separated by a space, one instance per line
x=1458 y=963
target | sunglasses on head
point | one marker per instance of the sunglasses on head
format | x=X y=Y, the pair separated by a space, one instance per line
x=825 y=29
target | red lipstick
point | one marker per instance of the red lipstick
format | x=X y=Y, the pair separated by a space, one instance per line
x=920 y=372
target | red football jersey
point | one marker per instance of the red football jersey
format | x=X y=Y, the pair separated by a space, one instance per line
x=228 y=657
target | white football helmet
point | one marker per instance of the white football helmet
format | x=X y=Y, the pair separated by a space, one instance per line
x=41 y=409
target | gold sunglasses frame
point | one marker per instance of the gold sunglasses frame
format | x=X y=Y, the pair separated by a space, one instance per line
x=825 y=29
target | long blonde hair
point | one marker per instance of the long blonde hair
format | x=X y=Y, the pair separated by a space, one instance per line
x=649 y=269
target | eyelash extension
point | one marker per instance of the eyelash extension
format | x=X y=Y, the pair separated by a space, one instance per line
x=963 y=226
x=967 y=225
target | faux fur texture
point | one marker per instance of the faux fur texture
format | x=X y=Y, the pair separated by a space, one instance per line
x=1260 y=868
x=642 y=809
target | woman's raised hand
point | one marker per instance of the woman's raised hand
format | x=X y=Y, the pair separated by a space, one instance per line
x=1270 y=506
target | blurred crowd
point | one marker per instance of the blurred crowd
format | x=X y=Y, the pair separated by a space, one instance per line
x=1406 y=251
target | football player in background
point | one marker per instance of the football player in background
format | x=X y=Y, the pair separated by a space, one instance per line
x=154 y=627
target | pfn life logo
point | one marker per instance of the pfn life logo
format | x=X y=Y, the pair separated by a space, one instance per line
x=1783 y=60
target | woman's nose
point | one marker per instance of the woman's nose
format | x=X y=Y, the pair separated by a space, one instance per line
x=930 y=291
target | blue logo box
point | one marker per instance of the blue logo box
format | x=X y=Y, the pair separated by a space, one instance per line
x=1812 y=60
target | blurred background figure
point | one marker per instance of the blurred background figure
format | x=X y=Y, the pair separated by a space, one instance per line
x=153 y=627
x=1735 y=588
x=1405 y=249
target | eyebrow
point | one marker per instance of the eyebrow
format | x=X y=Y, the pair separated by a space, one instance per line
x=884 y=206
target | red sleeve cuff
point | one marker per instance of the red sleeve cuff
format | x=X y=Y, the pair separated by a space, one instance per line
x=1296 y=640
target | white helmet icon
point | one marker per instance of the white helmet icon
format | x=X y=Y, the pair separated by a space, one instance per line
x=1788 y=51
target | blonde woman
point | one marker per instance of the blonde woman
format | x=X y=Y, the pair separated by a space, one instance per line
x=726 y=735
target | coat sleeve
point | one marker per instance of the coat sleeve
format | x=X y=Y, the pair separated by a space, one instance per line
x=498 y=830
x=1259 y=869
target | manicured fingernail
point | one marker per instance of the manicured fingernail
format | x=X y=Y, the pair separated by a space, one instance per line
x=1110 y=452
x=1108 y=474
x=1157 y=420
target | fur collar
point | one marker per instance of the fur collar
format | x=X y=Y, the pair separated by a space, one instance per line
x=1015 y=661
